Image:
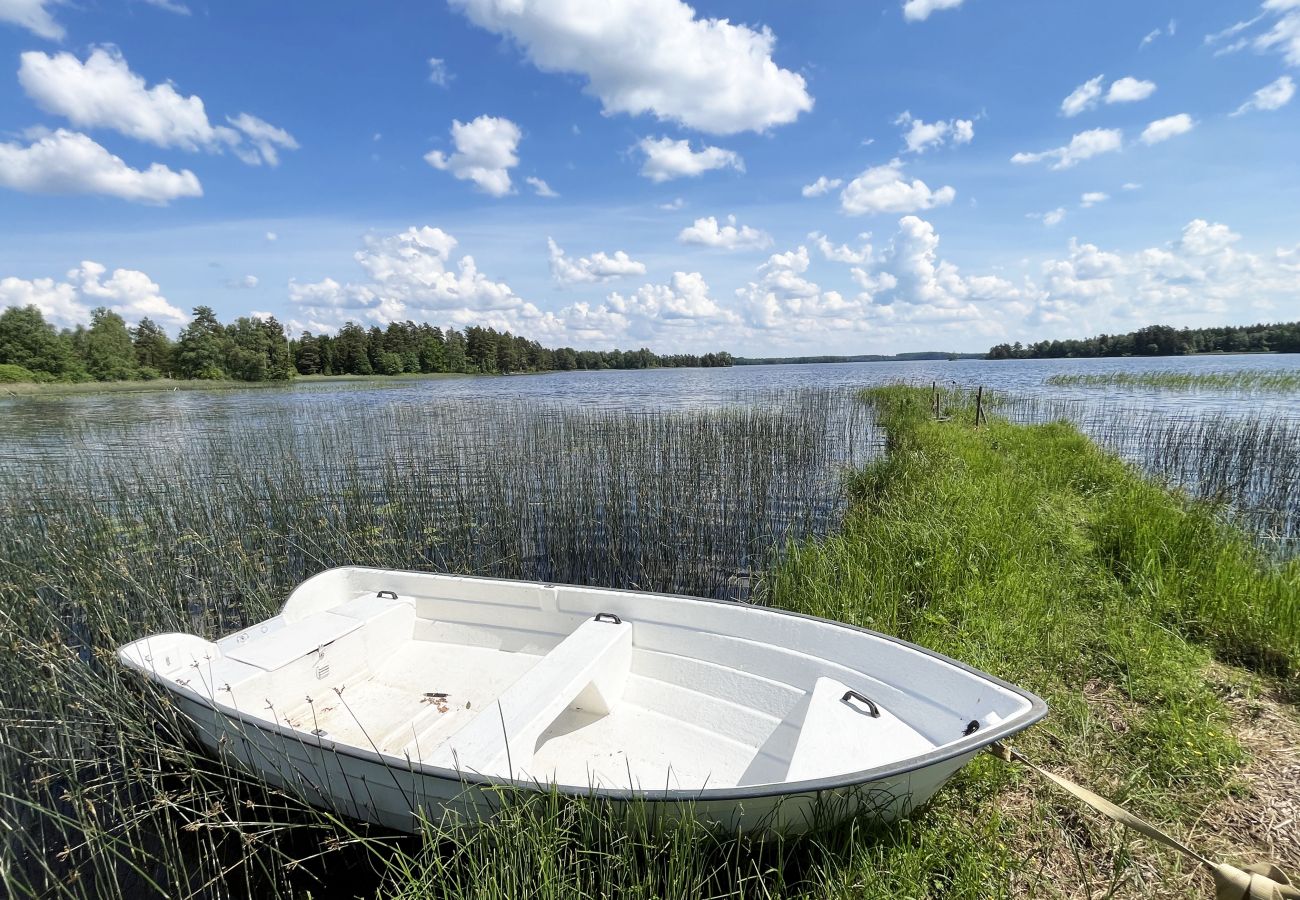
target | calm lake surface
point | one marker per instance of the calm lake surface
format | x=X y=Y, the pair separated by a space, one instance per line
x=43 y=427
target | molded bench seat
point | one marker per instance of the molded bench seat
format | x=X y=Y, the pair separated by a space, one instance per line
x=284 y=645
x=840 y=736
x=587 y=670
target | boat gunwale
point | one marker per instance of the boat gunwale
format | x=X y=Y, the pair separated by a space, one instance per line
x=966 y=745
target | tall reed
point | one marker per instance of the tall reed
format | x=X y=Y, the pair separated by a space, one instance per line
x=1241 y=380
x=1245 y=462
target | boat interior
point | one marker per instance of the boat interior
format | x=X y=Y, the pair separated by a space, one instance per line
x=579 y=686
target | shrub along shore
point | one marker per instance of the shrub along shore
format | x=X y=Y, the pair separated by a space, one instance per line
x=1156 y=633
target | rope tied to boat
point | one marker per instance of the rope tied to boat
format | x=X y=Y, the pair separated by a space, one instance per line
x=1260 y=881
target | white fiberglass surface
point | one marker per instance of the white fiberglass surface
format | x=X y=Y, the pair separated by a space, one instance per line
x=589 y=687
x=422 y=693
x=708 y=726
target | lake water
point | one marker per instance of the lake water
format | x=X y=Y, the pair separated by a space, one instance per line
x=91 y=438
x=44 y=426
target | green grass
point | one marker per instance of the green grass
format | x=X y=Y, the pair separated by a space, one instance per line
x=1023 y=550
x=1276 y=382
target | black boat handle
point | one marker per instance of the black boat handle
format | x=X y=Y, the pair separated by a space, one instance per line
x=391 y=595
x=871 y=706
x=608 y=617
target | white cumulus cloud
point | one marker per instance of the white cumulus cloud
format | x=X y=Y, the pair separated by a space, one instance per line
x=1084 y=145
x=66 y=162
x=1049 y=218
x=1084 y=97
x=103 y=92
x=127 y=292
x=1122 y=90
x=411 y=275
x=684 y=300
x=1129 y=90
x=921 y=135
x=709 y=233
x=666 y=159
x=485 y=153
x=919 y=10
x=1274 y=95
x=843 y=253
x=821 y=186
x=884 y=189
x=1092 y=198
x=1201 y=274
x=654 y=56
x=266 y=140
x=1166 y=128
x=34 y=15
x=587 y=269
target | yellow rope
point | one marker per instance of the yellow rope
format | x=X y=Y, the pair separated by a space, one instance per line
x=1261 y=881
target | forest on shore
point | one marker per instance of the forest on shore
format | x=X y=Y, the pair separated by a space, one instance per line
x=1163 y=340
x=258 y=349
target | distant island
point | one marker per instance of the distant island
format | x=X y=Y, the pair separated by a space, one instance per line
x=866 y=357
x=1163 y=340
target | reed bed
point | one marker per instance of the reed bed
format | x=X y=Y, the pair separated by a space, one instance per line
x=102 y=542
x=1246 y=464
x=1237 y=380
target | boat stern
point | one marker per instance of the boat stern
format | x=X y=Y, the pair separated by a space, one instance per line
x=167 y=657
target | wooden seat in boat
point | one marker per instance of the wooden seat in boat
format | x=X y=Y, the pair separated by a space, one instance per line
x=587 y=670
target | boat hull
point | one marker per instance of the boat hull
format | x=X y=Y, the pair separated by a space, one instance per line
x=401 y=698
x=404 y=798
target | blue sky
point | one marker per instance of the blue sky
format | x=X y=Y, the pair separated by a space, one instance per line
x=652 y=173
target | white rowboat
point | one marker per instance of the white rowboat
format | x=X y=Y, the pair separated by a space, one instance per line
x=390 y=696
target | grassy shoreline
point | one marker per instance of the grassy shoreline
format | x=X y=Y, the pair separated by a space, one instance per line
x=1029 y=552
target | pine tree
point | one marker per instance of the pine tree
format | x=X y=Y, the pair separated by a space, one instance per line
x=279 y=366
x=110 y=355
x=201 y=351
x=307 y=359
x=153 y=349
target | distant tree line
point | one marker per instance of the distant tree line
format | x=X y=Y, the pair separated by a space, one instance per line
x=405 y=347
x=918 y=355
x=1164 y=340
x=257 y=349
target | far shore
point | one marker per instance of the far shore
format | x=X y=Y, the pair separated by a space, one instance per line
x=28 y=388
